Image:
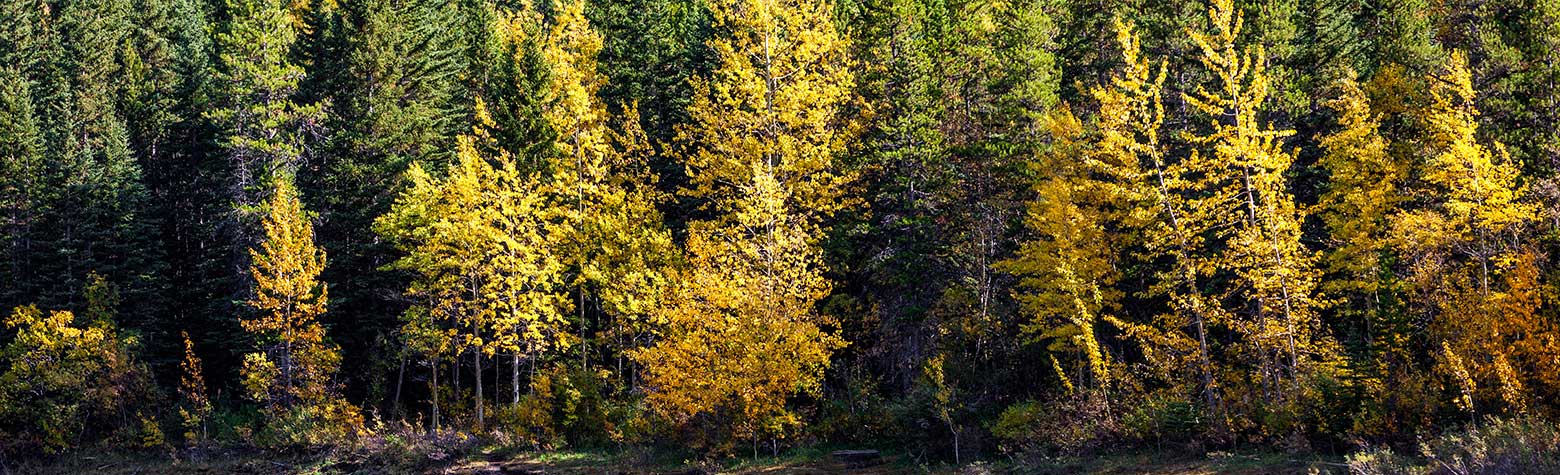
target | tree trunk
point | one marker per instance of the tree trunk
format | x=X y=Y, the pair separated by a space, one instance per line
x=434 y=383
x=514 y=374
x=476 y=361
x=400 y=377
x=955 y=431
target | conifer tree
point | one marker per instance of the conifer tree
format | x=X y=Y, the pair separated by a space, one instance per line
x=22 y=175
x=265 y=130
x=393 y=72
x=289 y=301
x=1242 y=188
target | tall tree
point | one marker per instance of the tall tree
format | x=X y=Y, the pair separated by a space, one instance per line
x=393 y=72
x=1363 y=191
x=761 y=148
x=289 y=302
x=1254 y=220
x=265 y=131
x=489 y=279
x=601 y=184
x=1467 y=256
x=741 y=333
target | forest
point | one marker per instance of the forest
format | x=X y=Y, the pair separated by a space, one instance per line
x=961 y=231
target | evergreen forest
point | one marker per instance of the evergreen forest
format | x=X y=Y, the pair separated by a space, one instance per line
x=980 y=236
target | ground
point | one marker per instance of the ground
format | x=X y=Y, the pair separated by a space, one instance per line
x=580 y=463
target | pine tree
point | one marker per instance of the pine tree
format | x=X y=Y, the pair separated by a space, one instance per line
x=22 y=183
x=650 y=51
x=393 y=72
x=264 y=129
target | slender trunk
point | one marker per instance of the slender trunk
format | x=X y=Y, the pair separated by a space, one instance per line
x=956 y=457
x=514 y=374
x=434 y=384
x=1183 y=257
x=476 y=361
x=400 y=377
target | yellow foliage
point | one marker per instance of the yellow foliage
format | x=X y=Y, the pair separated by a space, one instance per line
x=1068 y=272
x=289 y=300
x=1362 y=193
x=194 y=407
x=773 y=105
x=601 y=185
x=1468 y=265
x=741 y=333
x=1240 y=195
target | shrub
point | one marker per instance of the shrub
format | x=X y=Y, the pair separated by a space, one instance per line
x=1068 y=425
x=1494 y=447
x=66 y=381
x=568 y=405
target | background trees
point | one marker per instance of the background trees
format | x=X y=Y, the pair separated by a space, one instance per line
x=1062 y=224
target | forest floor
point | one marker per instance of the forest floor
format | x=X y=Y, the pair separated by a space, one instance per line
x=593 y=463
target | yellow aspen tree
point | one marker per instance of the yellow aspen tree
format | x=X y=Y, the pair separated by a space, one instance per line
x=1240 y=188
x=54 y=382
x=1481 y=198
x=1143 y=185
x=772 y=106
x=1363 y=190
x=480 y=240
x=741 y=332
x=1365 y=187
x=522 y=273
x=421 y=224
x=601 y=183
x=289 y=300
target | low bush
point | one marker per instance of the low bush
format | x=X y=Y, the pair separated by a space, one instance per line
x=1493 y=447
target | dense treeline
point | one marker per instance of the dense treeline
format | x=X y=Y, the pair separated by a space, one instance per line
x=963 y=227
